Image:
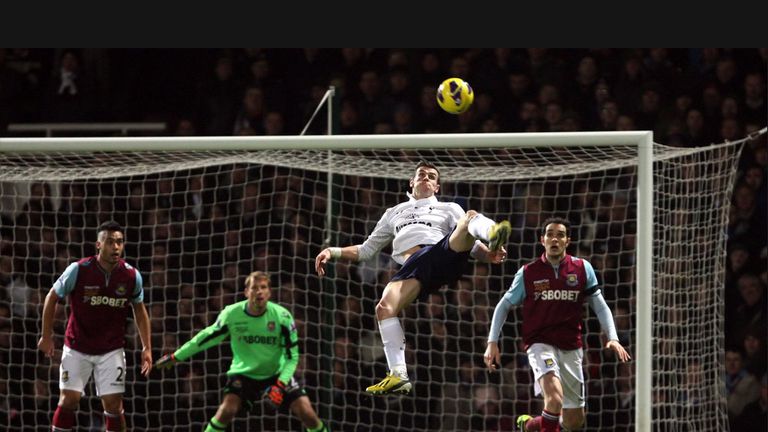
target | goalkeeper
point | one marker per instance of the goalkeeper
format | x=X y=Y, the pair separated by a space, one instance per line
x=265 y=353
x=433 y=241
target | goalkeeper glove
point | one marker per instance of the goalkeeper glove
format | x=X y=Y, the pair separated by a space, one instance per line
x=274 y=394
x=166 y=362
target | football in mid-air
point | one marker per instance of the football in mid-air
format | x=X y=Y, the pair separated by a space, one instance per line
x=455 y=95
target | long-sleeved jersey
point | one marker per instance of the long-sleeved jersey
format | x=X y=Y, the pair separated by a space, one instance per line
x=262 y=346
x=414 y=222
x=553 y=302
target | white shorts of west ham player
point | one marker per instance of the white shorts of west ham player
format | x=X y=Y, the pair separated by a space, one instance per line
x=565 y=364
x=108 y=371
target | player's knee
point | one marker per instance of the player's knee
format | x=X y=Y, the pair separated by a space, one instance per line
x=113 y=407
x=463 y=223
x=384 y=310
x=227 y=413
x=69 y=400
x=228 y=410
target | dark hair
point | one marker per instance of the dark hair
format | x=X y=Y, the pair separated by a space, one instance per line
x=736 y=349
x=556 y=220
x=110 y=226
x=423 y=163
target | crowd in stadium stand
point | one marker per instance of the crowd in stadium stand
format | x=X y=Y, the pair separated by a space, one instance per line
x=688 y=97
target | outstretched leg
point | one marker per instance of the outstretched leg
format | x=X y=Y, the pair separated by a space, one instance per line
x=474 y=225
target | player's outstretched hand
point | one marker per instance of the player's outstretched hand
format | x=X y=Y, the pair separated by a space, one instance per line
x=275 y=394
x=166 y=362
x=320 y=261
x=492 y=356
x=616 y=347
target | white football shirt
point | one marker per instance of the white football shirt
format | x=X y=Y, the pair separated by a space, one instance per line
x=414 y=222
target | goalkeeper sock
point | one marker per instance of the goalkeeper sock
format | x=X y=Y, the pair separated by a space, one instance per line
x=319 y=428
x=393 y=338
x=63 y=419
x=215 y=426
x=115 y=422
x=479 y=226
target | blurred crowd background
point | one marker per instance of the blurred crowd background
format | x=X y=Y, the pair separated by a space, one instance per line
x=201 y=234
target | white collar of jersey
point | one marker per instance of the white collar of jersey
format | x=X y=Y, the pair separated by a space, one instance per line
x=423 y=201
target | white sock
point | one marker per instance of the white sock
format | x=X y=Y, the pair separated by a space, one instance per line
x=393 y=338
x=479 y=226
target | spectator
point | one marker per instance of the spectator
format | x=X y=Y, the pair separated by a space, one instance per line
x=751 y=311
x=755 y=415
x=249 y=121
x=755 y=353
x=217 y=98
x=755 y=99
x=69 y=97
x=742 y=388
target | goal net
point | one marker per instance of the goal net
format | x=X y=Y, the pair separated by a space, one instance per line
x=198 y=222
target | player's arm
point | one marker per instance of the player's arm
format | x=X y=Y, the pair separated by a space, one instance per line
x=513 y=296
x=381 y=236
x=141 y=317
x=349 y=253
x=275 y=393
x=291 y=343
x=600 y=307
x=204 y=339
x=604 y=315
x=45 y=344
x=63 y=286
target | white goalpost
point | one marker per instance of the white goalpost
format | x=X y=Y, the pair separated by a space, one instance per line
x=202 y=211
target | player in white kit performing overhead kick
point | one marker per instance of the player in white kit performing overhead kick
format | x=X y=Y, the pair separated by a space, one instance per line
x=433 y=241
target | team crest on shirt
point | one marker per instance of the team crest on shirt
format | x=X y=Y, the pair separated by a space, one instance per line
x=120 y=290
x=549 y=362
x=65 y=376
x=571 y=279
x=271 y=326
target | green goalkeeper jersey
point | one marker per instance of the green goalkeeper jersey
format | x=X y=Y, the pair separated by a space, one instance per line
x=262 y=346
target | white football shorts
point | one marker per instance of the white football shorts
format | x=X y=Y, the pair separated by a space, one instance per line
x=108 y=371
x=565 y=364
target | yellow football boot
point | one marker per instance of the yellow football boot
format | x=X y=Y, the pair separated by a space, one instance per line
x=392 y=384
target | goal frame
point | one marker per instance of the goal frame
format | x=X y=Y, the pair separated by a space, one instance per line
x=643 y=140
